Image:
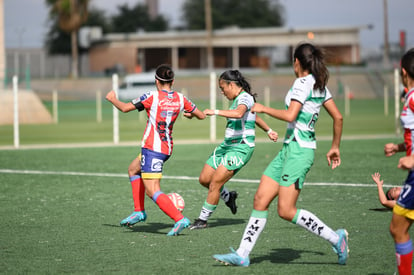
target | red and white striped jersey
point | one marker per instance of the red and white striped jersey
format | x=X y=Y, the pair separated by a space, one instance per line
x=162 y=108
x=407 y=121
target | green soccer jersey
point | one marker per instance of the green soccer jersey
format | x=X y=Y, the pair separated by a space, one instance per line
x=241 y=130
x=303 y=128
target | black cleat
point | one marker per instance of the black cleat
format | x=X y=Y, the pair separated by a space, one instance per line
x=232 y=202
x=198 y=224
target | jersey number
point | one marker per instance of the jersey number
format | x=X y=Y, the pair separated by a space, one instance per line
x=312 y=122
x=405 y=190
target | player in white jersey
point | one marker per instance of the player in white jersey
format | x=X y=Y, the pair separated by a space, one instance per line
x=236 y=149
x=284 y=177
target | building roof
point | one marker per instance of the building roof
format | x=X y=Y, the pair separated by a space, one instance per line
x=234 y=36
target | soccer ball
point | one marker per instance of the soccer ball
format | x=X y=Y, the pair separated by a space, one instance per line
x=177 y=200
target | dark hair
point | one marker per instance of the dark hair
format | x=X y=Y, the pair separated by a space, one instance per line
x=311 y=59
x=388 y=195
x=407 y=62
x=164 y=74
x=236 y=77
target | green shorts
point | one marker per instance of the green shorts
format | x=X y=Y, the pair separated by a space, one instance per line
x=291 y=165
x=232 y=157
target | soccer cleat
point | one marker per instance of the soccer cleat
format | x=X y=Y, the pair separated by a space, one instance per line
x=232 y=259
x=179 y=226
x=232 y=202
x=135 y=217
x=341 y=248
x=198 y=224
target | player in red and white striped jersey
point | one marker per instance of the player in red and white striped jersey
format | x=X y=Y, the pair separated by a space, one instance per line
x=163 y=107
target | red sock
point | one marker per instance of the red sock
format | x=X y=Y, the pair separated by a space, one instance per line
x=167 y=206
x=404 y=263
x=138 y=193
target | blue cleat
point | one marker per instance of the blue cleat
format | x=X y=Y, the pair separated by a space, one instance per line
x=232 y=259
x=134 y=218
x=179 y=226
x=341 y=248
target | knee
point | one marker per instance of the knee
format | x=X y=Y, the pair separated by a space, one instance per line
x=286 y=213
x=133 y=170
x=204 y=181
x=394 y=232
x=259 y=204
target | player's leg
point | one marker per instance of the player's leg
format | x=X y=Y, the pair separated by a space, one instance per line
x=229 y=197
x=138 y=194
x=267 y=191
x=153 y=190
x=296 y=167
x=219 y=178
x=399 y=229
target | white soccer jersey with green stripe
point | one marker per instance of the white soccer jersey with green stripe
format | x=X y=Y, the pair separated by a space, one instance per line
x=241 y=130
x=303 y=128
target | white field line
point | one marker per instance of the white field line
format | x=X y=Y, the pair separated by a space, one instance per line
x=184 y=178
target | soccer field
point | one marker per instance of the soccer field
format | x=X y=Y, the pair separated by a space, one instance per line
x=61 y=207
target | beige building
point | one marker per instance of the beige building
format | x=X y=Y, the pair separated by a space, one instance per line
x=232 y=48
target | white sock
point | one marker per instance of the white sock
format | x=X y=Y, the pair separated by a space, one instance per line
x=224 y=194
x=252 y=232
x=311 y=223
x=206 y=211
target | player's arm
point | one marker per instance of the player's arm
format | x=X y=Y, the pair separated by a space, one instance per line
x=406 y=163
x=195 y=113
x=263 y=125
x=124 y=107
x=391 y=148
x=236 y=113
x=381 y=195
x=288 y=115
x=333 y=156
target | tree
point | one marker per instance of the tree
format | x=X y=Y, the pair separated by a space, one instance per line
x=69 y=15
x=58 y=41
x=135 y=19
x=241 y=13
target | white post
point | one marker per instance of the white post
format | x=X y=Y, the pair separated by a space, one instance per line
x=16 y=113
x=212 y=106
x=98 y=106
x=267 y=96
x=397 y=101
x=347 y=101
x=55 y=107
x=115 y=112
x=386 y=100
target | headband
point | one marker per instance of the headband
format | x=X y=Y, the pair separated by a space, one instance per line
x=162 y=79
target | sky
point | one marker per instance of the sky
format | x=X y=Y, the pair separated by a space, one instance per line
x=26 y=27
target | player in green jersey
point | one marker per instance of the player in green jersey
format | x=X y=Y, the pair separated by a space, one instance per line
x=236 y=149
x=285 y=175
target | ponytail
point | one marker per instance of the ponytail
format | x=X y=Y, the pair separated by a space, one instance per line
x=236 y=77
x=311 y=59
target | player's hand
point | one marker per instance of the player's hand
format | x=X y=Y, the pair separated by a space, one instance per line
x=333 y=157
x=258 y=108
x=273 y=136
x=208 y=112
x=390 y=149
x=406 y=162
x=188 y=115
x=377 y=179
x=111 y=96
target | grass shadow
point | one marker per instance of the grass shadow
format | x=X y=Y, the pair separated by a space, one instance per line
x=288 y=256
